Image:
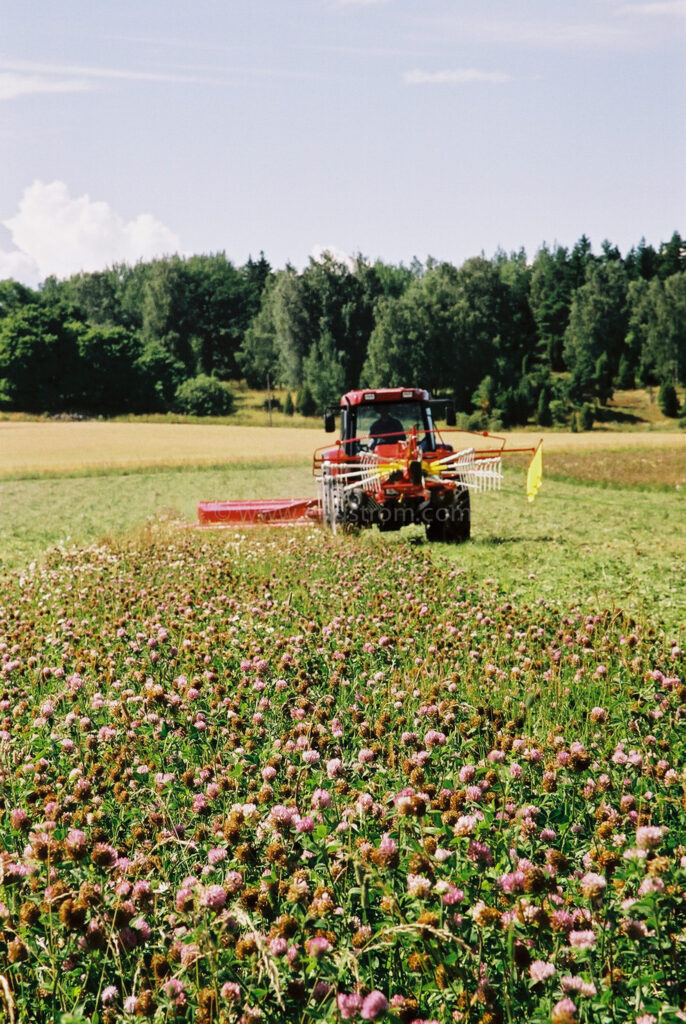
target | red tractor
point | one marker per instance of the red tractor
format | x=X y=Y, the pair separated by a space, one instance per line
x=390 y=468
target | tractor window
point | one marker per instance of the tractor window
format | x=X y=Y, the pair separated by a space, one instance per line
x=389 y=422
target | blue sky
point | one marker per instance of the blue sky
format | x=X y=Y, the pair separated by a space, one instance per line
x=390 y=128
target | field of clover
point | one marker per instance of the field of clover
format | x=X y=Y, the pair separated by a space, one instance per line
x=291 y=778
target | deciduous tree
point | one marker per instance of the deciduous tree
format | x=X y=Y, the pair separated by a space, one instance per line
x=594 y=339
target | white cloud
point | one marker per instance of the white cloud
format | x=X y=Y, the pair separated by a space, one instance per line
x=359 y=3
x=57 y=234
x=458 y=76
x=19 y=266
x=339 y=255
x=548 y=32
x=21 y=77
x=669 y=8
x=13 y=84
x=84 y=72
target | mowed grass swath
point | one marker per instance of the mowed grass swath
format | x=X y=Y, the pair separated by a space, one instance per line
x=271 y=778
x=577 y=544
x=611 y=548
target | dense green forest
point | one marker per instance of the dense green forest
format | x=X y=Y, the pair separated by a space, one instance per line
x=510 y=340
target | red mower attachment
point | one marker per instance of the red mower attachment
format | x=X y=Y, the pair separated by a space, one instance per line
x=267 y=512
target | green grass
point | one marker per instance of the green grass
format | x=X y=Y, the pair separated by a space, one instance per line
x=577 y=544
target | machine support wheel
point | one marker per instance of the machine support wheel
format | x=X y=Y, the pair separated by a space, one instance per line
x=459 y=527
x=452 y=523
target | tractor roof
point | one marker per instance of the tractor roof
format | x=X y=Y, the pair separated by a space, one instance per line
x=377 y=395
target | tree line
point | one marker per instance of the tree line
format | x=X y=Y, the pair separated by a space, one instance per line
x=510 y=340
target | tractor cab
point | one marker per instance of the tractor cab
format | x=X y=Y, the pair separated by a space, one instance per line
x=375 y=419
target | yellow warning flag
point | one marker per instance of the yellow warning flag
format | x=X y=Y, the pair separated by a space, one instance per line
x=534 y=476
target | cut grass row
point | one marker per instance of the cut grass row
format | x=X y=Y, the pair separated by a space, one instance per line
x=51 y=511
x=75 y=482
x=577 y=544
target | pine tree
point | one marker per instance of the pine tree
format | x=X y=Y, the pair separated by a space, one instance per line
x=304 y=402
x=585 y=417
x=668 y=400
x=625 y=377
x=543 y=415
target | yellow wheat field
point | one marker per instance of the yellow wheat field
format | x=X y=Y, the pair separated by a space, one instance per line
x=55 y=447
x=67 y=447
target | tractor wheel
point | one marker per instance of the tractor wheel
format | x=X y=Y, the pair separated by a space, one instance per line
x=459 y=526
x=435 y=531
x=390 y=525
x=455 y=528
